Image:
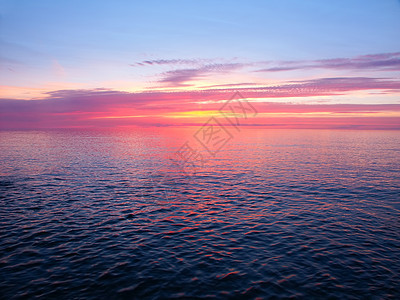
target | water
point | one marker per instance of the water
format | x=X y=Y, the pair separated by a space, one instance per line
x=275 y=214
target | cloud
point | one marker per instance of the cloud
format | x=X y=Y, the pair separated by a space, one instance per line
x=102 y=107
x=230 y=85
x=176 y=78
x=155 y=62
x=182 y=77
x=342 y=84
x=383 y=62
x=200 y=69
x=320 y=87
x=380 y=62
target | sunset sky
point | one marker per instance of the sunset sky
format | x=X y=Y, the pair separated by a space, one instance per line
x=302 y=64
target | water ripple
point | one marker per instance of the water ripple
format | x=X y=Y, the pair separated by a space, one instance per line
x=78 y=220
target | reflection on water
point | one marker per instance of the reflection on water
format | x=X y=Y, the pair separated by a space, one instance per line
x=276 y=213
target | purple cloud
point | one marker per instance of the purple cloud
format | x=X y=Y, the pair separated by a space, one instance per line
x=181 y=77
x=383 y=61
x=193 y=61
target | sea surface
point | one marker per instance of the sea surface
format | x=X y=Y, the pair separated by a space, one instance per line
x=150 y=213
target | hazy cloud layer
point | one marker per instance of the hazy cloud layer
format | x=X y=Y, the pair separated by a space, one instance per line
x=100 y=107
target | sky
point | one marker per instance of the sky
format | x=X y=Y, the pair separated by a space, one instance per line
x=301 y=64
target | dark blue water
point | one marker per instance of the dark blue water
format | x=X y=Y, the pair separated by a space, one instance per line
x=275 y=214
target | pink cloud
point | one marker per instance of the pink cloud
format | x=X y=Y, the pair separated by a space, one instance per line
x=99 y=107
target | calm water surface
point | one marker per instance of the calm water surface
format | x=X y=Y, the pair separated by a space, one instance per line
x=103 y=214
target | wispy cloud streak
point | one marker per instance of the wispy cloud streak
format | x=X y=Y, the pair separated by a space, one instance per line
x=175 y=62
x=384 y=61
x=182 y=77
